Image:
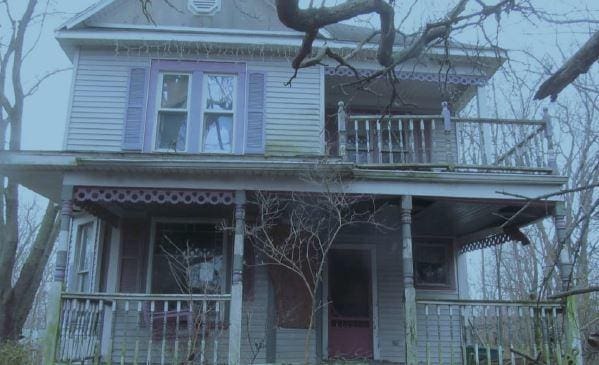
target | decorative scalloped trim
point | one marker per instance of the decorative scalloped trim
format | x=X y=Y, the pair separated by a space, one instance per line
x=159 y=196
x=410 y=75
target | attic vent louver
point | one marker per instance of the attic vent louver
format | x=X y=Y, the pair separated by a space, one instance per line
x=204 y=7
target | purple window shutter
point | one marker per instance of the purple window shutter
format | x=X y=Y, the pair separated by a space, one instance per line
x=255 y=118
x=134 y=116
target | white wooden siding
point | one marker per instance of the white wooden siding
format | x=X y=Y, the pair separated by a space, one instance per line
x=99 y=99
x=291 y=343
x=294 y=124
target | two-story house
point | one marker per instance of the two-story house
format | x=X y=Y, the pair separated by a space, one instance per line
x=174 y=124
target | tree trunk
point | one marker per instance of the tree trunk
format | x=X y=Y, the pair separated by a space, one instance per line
x=18 y=299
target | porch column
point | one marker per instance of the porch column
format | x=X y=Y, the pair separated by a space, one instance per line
x=408 y=281
x=341 y=124
x=235 y=314
x=571 y=324
x=56 y=287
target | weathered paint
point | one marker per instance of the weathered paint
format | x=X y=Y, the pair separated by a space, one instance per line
x=411 y=336
x=235 y=314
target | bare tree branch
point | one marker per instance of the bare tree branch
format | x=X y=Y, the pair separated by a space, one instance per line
x=578 y=64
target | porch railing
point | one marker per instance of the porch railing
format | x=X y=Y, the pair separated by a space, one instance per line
x=143 y=328
x=445 y=141
x=472 y=332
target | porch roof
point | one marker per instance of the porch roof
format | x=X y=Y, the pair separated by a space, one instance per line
x=46 y=171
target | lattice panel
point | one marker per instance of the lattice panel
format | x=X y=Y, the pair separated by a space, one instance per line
x=159 y=196
x=489 y=241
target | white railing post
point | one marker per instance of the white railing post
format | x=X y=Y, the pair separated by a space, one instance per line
x=446 y=114
x=341 y=127
x=56 y=287
x=235 y=315
x=551 y=153
x=408 y=279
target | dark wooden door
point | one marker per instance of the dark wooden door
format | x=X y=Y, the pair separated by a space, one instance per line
x=350 y=304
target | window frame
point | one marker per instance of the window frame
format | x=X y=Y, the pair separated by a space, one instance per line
x=194 y=133
x=158 y=105
x=226 y=278
x=90 y=274
x=449 y=261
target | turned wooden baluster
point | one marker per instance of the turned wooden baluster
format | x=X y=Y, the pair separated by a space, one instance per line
x=390 y=141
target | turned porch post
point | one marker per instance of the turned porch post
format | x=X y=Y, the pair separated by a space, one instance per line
x=408 y=280
x=341 y=127
x=56 y=287
x=235 y=314
x=571 y=325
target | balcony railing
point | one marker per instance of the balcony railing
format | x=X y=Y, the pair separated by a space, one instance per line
x=443 y=141
x=490 y=332
x=143 y=329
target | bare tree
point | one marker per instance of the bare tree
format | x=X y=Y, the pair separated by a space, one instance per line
x=525 y=272
x=17 y=296
x=295 y=232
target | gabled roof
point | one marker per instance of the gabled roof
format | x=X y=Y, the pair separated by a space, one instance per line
x=85 y=14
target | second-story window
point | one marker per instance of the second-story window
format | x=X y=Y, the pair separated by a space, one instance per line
x=173 y=113
x=198 y=107
x=219 y=113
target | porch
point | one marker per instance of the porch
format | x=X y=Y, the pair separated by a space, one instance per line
x=100 y=328
x=141 y=316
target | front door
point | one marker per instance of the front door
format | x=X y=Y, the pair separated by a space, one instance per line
x=350 y=304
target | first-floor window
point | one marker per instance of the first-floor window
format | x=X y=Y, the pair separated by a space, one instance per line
x=188 y=258
x=84 y=257
x=433 y=265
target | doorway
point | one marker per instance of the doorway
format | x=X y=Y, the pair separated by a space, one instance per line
x=350 y=309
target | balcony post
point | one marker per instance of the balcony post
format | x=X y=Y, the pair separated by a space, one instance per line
x=571 y=324
x=408 y=280
x=341 y=127
x=56 y=287
x=235 y=314
x=551 y=154
x=446 y=114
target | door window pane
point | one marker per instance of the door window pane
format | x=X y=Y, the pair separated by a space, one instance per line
x=174 y=91
x=219 y=91
x=171 y=131
x=218 y=133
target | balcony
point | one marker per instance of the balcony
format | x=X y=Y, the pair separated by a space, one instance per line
x=445 y=143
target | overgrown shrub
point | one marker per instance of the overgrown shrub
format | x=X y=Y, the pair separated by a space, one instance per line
x=15 y=353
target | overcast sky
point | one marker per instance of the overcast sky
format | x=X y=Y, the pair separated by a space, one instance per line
x=45 y=112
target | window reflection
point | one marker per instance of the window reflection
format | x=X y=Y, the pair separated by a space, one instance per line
x=174 y=91
x=220 y=92
x=218 y=133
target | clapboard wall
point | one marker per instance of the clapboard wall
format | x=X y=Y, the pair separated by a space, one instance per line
x=293 y=114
